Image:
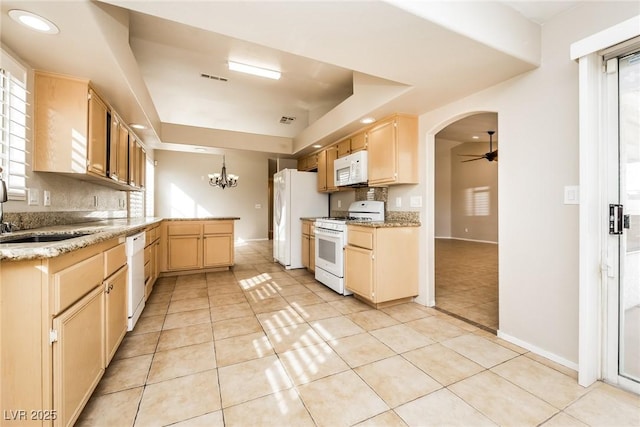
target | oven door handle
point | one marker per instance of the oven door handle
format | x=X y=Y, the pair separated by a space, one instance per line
x=328 y=233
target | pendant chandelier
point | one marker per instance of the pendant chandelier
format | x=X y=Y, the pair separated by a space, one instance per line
x=222 y=180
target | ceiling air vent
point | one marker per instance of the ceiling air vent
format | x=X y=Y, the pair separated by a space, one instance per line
x=209 y=76
x=286 y=120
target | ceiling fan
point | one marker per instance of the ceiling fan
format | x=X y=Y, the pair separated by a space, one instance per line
x=490 y=156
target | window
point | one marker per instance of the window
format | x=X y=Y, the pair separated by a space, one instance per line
x=150 y=188
x=477 y=201
x=14 y=142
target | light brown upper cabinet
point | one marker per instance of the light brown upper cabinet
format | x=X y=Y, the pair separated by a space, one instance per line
x=77 y=134
x=118 y=165
x=137 y=163
x=358 y=142
x=322 y=170
x=308 y=163
x=393 y=151
x=344 y=147
x=97 y=130
x=355 y=142
x=142 y=165
x=326 y=157
x=70 y=126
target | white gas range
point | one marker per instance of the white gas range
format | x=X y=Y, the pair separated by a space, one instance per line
x=331 y=238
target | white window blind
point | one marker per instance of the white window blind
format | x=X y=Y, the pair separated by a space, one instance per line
x=14 y=142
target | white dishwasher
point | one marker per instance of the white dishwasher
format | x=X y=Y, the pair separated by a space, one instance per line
x=134 y=246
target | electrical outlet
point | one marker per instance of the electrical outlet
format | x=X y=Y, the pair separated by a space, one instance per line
x=33 y=196
x=398 y=202
x=46 y=198
x=258 y=206
x=95 y=201
x=339 y=203
x=415 y=201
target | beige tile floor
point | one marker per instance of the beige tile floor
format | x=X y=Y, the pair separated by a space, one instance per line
x=467 y=280
x=260 y=346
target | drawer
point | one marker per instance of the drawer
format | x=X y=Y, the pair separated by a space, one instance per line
x=152 y=234
x=306 y=226
x=218 y=227
x=147 y=271
x=71 y=284
x=178 y=229
x=114 y=259
x=360 y=237
x=147 y=254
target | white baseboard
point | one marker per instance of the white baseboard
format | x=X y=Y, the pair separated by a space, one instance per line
x=468 y=240
x=251 y=240
x=534 y=349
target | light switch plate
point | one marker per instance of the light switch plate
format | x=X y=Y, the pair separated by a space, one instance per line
x=398 y=202
x=33 y=196
x=415 y=201
x=572 y=195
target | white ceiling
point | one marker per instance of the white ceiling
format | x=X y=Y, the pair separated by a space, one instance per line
x=340 y=61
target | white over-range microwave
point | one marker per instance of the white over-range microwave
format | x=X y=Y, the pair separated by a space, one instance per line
x=351 y=169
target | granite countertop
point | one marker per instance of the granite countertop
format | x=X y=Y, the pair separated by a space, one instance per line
x=100 y=231
x=384 y=224
x=206 y=218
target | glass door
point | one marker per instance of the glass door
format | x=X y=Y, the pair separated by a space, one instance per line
x=629 y=240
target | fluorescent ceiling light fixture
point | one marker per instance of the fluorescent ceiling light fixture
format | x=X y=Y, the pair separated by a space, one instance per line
x=33 y=21
x=475 y=137
x=317 y=146
x=137 y=126
x=200 y=149
x=256 y=71
x=367 y=120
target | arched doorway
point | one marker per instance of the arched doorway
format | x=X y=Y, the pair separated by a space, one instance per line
x=466 y=220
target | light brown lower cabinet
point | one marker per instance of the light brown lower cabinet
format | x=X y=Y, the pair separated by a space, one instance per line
x=308 y=245
x=195 y=245
x=218 y=250
x=58 y=329
x=78 y=355
x=115 y=290
x=152 y=243
x=381 y=263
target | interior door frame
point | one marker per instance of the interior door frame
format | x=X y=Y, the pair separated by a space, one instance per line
x=594 y=264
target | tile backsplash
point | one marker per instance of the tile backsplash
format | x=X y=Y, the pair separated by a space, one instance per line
x=29 y=220
x=72 y=201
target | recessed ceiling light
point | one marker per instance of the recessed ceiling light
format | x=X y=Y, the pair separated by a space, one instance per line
x=317 y=146
x=33 y=21
x=137 y=126
x=367 y=120
x=475 y=137
x=256 y=71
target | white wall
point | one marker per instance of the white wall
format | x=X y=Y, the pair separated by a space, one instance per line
x=538 y=234
x=442 y=191
x=470 y=183
x=183 y=190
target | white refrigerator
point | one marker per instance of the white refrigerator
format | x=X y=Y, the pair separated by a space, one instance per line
x=295 y=196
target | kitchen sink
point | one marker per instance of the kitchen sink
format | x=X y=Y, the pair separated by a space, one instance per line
x=43 y=238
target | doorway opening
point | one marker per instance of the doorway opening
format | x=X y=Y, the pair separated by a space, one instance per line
x=466 y=220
